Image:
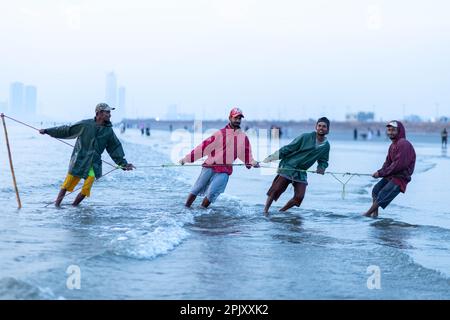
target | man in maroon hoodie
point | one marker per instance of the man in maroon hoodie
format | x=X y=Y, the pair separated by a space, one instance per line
x=396 y=171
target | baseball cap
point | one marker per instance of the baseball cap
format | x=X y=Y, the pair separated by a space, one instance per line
x=236 y=112
x=103 y=107
x=392 y=124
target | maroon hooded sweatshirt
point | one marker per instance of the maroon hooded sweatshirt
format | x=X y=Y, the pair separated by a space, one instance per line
x=400 y=161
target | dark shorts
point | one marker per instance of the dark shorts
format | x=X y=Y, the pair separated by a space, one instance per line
x=384 y=192
x=280 y=184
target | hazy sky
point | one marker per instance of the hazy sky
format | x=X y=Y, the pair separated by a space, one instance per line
x=288 y=59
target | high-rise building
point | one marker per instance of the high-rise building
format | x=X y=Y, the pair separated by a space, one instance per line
x=30 y=100
x=16 y=98
x=121 y=106
x=111 y=89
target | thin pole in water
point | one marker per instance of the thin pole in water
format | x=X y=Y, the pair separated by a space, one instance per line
x=10 y=162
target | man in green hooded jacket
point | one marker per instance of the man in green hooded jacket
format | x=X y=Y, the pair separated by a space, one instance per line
x=296 y=158
x=93 y=137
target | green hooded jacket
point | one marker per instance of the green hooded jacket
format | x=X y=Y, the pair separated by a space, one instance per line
x=301 y=154
x=92 y=140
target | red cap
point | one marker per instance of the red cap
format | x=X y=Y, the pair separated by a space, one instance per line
x=236 y=112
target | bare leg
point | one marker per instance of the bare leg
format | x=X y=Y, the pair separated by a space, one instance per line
x=60 y=197
x=80 y=197
x=190 y=200
x=268 y=204
x=291 y=203
x=373 y=211
x=299 y=195
x=205 y=203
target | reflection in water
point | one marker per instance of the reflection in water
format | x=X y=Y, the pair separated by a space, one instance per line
x=393 y=233
x=444 y=152
x=287 y=219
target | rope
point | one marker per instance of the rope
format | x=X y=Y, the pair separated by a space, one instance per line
x=30 y=126
x=327 y=172
x=78 y=189
x=168 y=165
x=344 y=184
x=334 y=175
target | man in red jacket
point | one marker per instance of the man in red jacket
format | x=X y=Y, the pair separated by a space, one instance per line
x=397 y=169
x=222 y=149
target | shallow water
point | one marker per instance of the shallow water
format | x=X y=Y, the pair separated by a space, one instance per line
x=133 y=239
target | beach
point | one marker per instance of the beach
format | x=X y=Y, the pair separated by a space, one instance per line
x=134 y=239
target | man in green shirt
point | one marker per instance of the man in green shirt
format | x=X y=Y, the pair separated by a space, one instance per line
x=296 y=158
x=93 y=137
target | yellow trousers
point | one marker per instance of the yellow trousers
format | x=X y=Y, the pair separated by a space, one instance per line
x=71 y=182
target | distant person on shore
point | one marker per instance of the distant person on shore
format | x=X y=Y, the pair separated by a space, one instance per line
x=369 y=134
x=275 y=132
x=444 y=135
x=396 y=171
x=222 y=149
x=355 y=134
x=93 y=137
x=296 y=158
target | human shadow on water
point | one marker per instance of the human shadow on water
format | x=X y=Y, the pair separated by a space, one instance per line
x=289 y=220
x=393 y=233
x=216 y=222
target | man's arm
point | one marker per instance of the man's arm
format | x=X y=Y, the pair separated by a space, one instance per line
x=322 y=162
x=247 y=156
x=203 y=149
x=115 y=151
x=398 y=164
x=286 y=150
x=64 y=132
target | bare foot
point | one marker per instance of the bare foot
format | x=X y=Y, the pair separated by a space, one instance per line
x=374 y=215
x=367 y=214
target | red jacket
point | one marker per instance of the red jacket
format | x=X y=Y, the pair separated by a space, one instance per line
x=222 y=149
x=400 y=161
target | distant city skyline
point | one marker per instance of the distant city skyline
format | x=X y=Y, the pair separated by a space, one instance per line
x=22 y=100
x=285 y=60
x=115 y=95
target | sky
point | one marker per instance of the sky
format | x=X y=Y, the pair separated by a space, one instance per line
x=284 y=59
